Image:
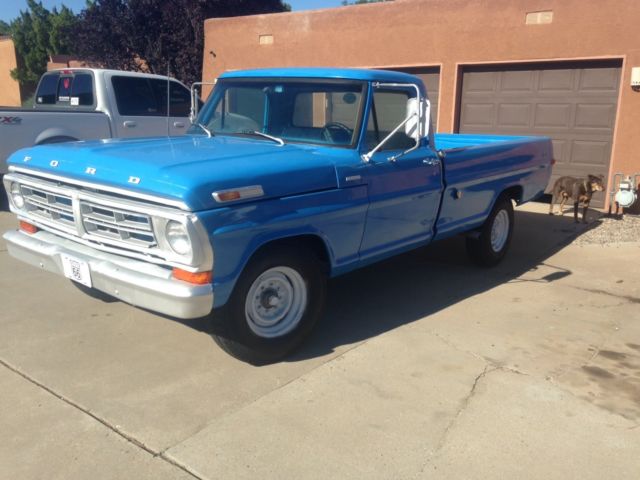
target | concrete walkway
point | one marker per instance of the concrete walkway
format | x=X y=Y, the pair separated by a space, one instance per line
x=423 y=367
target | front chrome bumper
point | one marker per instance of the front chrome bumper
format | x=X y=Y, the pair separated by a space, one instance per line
x=133 y=281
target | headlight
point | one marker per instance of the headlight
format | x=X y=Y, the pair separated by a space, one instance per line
x=178 y=237
x=16 y=195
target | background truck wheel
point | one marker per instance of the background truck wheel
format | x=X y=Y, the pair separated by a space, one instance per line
x=491 y=245
x=277 y=301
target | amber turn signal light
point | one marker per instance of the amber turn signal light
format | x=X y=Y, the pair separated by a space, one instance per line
x=229 y=196
x=197 y=278
x=27 y=227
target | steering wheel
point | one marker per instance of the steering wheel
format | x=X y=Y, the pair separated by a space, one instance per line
x=333 y=131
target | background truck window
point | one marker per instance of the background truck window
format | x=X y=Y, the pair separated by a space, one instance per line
x=82 y=89
x=47 y=89
x=135 y=97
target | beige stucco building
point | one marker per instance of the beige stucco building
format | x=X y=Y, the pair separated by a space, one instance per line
x=552 y=67
x=9 y=88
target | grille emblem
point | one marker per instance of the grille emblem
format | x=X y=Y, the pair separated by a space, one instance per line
x=90 y=171
x=53 y=163
x=134 y=180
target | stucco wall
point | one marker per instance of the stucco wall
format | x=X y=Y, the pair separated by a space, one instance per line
x=9 y=88
x=444 y=33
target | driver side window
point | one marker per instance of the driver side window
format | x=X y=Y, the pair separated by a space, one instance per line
x=388 y=110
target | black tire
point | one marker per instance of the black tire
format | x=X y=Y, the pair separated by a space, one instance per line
x=480 y=248
x=234 y=329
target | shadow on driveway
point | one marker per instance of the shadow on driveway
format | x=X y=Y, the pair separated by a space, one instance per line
x=381 y=297
x=384 y=296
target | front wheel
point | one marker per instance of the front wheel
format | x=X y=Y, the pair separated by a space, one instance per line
x=492 y=243
x=278 y=299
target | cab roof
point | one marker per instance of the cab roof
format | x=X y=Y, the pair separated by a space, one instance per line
x=331 y=73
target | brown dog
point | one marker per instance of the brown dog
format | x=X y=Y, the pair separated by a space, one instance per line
x=579 y=189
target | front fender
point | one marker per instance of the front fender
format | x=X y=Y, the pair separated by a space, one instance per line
x=336 y=217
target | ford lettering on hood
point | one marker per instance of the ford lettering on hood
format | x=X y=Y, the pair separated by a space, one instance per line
x=189 y=169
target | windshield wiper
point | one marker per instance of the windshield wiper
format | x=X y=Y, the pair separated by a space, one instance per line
x=264 y=135
x=206 y=130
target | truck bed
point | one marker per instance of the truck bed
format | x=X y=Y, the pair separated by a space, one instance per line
x=475 y=167
x=451 y=141
x=35 y=125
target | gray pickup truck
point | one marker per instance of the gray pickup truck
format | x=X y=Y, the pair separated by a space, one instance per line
x=86 y=103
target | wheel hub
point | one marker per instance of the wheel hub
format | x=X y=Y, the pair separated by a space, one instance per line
x=500 y=231
x=276 y=302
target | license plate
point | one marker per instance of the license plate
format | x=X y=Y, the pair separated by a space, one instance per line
x=76 y=269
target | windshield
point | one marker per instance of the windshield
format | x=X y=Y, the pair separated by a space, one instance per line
x=320 y=112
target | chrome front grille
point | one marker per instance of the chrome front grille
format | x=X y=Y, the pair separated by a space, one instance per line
x=49 y=205
x=109 y=219
x=86 y=216
x=108 y=222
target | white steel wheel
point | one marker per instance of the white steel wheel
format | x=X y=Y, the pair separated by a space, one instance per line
x=276 y=302
x=500 y=231
x=491 y=242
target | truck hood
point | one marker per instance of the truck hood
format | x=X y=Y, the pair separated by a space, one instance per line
x=189 y=168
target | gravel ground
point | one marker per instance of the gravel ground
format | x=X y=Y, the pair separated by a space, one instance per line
x=607 y=231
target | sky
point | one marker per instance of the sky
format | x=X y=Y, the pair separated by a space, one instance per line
x=10 y=9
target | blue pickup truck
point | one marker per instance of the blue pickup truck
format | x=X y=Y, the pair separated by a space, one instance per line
x=287 y=177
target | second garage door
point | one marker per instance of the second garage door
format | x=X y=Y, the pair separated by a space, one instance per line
x=431 y=78
x=573 y=103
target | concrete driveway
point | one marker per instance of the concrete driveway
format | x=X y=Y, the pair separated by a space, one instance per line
x=423 y=367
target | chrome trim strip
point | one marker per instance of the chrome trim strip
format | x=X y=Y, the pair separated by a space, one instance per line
x=120 y=191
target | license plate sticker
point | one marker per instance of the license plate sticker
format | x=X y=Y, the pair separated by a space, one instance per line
x=76 y=269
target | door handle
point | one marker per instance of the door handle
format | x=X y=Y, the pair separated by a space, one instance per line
x=178 y=124
x=129 y=124
x=431 y=161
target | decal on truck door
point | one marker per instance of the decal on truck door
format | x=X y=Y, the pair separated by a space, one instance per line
x=10 y=120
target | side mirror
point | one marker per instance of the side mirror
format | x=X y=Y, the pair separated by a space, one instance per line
x=418 y=118
x=412 y=126
x=195 y=100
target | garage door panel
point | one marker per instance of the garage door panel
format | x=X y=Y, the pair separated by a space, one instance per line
x=479 y=115
x=556 y=81
x=552 y=116
x=517 y=82
x=481 y=83
x=589 y=115
x=560 y=150
x=601 y=80
x=514 y=114
x=575 y=105
x=589 y=153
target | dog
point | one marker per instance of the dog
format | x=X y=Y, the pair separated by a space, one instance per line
x=579 y=189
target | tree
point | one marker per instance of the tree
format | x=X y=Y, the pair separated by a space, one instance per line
x=155 y=34
x=5 y=29
x=38 y=33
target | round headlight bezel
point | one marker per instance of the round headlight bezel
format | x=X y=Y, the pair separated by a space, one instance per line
x=16 y=195
x=178 y=238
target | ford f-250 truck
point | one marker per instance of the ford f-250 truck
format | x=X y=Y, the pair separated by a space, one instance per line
x=88 y=103
x=286 y=178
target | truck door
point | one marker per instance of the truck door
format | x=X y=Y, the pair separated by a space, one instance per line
x=139 y=111
x=404 y=194
x=180 y=108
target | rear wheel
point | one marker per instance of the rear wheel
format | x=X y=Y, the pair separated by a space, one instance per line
x=275 y=304
x=492 y=243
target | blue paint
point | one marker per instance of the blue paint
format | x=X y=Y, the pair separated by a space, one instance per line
x=362 y=212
